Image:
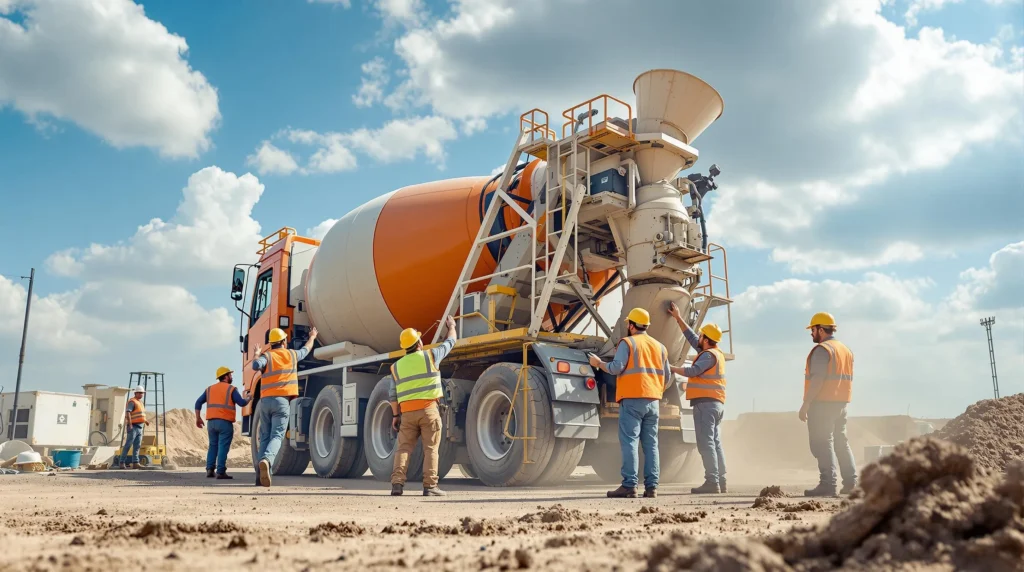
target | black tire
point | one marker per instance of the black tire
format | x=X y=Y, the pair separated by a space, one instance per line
x=332 y=456
x=606 y=460
x=288 y=460
x=467 y=471
x=380 y=442
x=360 y=467
x=496 y=461
x=564 y=458
x=673 y=459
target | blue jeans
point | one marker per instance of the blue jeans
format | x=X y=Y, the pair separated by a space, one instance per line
x=707 y=423
x=220 y=432
x=133 y=442
x=638 y=418
x=273 y=412
x=826 y=421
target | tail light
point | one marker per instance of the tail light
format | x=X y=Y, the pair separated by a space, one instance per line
x=591 y=383
x=563 y=367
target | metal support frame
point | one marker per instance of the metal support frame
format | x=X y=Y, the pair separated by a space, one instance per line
x=988 y=323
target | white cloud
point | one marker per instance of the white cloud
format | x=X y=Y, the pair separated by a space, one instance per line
x=269 y=159
x=918 y=7
x=997 y=287
x=109 y=69
x=320 y=231
x=212 y=230
x=344 y=3
x=860 y=113
x=375 y=79
x=407 y=12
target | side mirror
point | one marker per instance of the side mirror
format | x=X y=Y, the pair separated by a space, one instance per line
x=238 y=285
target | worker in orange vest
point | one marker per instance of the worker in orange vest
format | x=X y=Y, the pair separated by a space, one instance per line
x=221 y=398
x=705 y=389
x=828 y=389
x=279 y=384
x=134 y=420
x=642 y=369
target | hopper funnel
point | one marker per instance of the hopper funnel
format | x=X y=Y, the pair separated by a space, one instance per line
x=677 y=104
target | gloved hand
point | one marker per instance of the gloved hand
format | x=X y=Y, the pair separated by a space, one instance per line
x=396 y=422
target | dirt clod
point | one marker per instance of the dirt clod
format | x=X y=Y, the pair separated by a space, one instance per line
x=340 y=529
x=555 y=513
x=78 y=541
x=991 y=430
x=773 y=491
x=102 y=512
x=238 y=541
x=679 y=517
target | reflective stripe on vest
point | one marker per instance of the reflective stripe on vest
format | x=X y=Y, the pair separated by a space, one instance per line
x=838 y=385
x=281 y=377
x=416 y=377
x=711 y=383
x=138 y=415
x=220 y=404
x=644 y=374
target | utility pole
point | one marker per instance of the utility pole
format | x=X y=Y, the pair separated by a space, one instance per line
x=21 y=357
x=987 y=322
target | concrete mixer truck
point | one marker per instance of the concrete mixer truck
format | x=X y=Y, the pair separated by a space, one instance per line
x=523 y=261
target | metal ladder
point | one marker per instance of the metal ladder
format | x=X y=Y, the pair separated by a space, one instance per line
x=143 y=379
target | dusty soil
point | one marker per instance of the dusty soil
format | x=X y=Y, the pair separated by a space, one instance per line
x=187 y=444
x=180 y=520
x=992 y=430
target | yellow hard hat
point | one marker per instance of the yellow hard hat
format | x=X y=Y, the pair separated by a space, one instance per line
x=822 y=319
x=222 y=371
x=277 y=335
x=640 y=317
x=712 y=331
x=409 y=337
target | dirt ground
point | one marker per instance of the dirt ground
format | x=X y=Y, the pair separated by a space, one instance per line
x=178 y=519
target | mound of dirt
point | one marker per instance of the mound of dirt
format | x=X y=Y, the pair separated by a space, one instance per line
x=926 y=504
x=337 y=530
x=187 y=444
x=679 y=517
x=773 y=491
x=556 y=513
x=991 y=430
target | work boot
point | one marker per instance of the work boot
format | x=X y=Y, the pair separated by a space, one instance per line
x=433 y=492
x=721 y=485
x=623 y=493
x=264 y=472
x=209 y=473
x=651 y=492
x=847 y=489
x=222 y=476
x=136 y=466
x=396 y=490
x=707 y=488
x=822 y=490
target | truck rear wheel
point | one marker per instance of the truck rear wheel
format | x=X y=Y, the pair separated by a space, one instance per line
x=564 y=458
x=288 y=461
x=333 y=456
x=496 y=459
x=673 y=460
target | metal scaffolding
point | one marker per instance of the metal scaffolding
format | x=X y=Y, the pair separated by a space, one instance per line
x=987 y=322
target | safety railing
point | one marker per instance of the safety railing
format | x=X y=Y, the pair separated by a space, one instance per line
x=722 y=294
x=594 y=112
x=271 y=239
x=530 y=123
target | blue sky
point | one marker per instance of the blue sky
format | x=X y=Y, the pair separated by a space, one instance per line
x=813 y=115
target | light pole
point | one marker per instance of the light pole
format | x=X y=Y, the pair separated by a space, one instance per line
x=21 y=357
x=987 y=322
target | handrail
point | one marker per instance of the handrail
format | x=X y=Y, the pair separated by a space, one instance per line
x=271 y=239
x=531 y=125
x=570 y=114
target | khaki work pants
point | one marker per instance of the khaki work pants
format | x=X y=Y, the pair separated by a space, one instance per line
x=425 y=422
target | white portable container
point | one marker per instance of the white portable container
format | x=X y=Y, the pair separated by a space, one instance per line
x=48 y=419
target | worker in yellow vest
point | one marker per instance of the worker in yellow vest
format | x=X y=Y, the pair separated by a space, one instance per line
x=828 y=389
x=705 y=389
x=642 y=373
x=134 y=421
x=221 y=398
x=279 y=384
x=414 y=395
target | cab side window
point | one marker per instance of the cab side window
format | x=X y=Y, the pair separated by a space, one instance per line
x=261 y=296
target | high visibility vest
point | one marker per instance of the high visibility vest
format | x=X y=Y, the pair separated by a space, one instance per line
x=281 y=376
x=416 y=377
x=138 y=415
x=838 y=384
x=220 y=402
x=711 y=383
x=644 y=374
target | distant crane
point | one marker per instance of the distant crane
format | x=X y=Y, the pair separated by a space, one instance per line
x=987 y=322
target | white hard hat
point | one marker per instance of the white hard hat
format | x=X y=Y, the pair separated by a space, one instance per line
x=139 y=389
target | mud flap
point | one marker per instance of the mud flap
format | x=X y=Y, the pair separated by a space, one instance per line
x=300 y=409
x=573 y=405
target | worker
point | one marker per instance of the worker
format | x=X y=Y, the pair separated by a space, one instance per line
x=642 y=369
x=414 y=395
x=279 y=384
x=221 y=398
x=134 y=419
x=705 y=389
x=828 y=388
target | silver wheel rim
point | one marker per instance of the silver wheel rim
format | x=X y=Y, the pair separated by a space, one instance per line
x=380 y=431
x=325 y=436
x=495 y=407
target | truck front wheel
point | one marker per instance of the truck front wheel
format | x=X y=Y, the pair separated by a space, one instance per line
x=333 y=456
